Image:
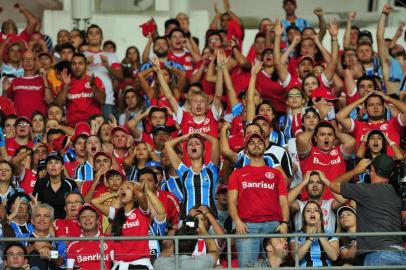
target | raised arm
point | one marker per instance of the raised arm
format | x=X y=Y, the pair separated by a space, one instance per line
x=214 y=23
x=285 y=55
x=361 y=167
x=147 y=49
x=398 y=34
x=347 y=33
x=225 y=146
x=99 y=202
x=251 y=91
x=172 y=155
x=332 y=65
x=400 y=105
x=32 y=20
x=383 y=53
x=232 y=96
x=221 y=62
x=318 y=11
x=165 y=87
x=304 y=142
x=280 y=67
x=215 y=151
x=347 y=142
x=295 y=192
x=154 y=201
x=142 y=77
x=343 y=115
x=132 y=124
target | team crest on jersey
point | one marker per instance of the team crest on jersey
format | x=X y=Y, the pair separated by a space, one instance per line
x=132 y=216
x=188 y=59
x=334 y=152
x=324 y=212
x=384 y=127
x=105 y=246
x=206 y=121
x=87 y=85
x=269 y=175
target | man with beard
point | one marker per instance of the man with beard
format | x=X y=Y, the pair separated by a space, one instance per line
x=323 y=154
x=374 y=106
x=82 y=94
x=315 y=183
x=277 y=250
x=257 y=200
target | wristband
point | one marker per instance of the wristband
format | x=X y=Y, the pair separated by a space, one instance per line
x=391 y=143
x=284 y=222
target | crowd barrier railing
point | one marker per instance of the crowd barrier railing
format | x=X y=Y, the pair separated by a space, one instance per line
x=229 y=238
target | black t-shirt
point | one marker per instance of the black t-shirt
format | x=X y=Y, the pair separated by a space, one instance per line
x=55 y=199
x=379 y=209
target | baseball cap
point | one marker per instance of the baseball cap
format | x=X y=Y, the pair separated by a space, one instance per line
x=365 y=33
x=345 y=208
x=60 y=143
x=221 y=187
x=304 y=57
x=102 y=153
x=87 y=206
x=122 y=128
x=54 y=156
x=383 y=165
x=159 y=128
x=112 y=172
x=308 y=110
x=41 y=165
x=23 y=197
x=22 y=118
x=81 y=128
x=251 y=136
x=261 y=117
x=322 y=92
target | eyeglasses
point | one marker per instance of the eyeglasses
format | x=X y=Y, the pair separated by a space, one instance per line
x=75 y=202
x=23 y=125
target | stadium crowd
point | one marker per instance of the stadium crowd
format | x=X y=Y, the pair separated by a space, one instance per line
x=171 y=140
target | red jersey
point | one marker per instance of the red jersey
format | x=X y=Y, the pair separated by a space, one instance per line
x=391 y=128
x=240 y=78
x=236 y=139
x=81 y=104
x=100 y=189
x=332 y=163
x=12 y=146
x=28 y=180
x=271 y=90
x=7 y=106
x=86 y=254
x=294 y=80
x=70 y=167
x=208 y=87
x=66 y=227
x=258 y=189
x=171 y=205
x=185 y=59
x=28 y=94
x=136 y=224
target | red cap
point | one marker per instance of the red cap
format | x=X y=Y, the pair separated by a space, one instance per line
x=148 y=27
x=11 y=42
x=303 y=57
x=251 y=136
x=59 y=143
x=322 y=92
x=221 y=187
x=122 y=128
x=81 y=128
x=102 y=153
x=261 y=117
x=87 y=206
x=23 y=118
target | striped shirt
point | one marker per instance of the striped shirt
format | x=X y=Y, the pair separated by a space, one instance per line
x=315 y=256
x=199 y=188
x=174 y=185
x=244 y=160
x=83 y=172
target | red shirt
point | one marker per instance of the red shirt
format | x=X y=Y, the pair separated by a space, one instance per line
x=81 y=104
x=12 y=146
x=391 y=128
x=67 y=227
x=236 y=139
x=208 y=87
x=271 y=90
x=28 y=181
x=136 y=224
x=28 y=94
x=184 y=59
x=331 y=163
x=7 y=106
x=258 y=189
x=86 y=255
x=70 y=167
x=171 y=205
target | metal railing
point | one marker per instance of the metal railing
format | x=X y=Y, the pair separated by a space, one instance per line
x=228 y=238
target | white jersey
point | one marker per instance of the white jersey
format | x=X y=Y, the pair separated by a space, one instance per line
x=329 y=217
x=297 y=177
x=97 y=68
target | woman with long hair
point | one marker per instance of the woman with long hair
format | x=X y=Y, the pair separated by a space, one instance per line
x=131 y=219
x=7 y=188
x=315 y=251
x=133 y=106
x=38 y=127
x=347 y=222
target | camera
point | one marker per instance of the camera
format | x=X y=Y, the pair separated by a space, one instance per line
x=191 y=222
